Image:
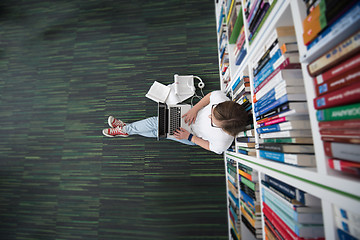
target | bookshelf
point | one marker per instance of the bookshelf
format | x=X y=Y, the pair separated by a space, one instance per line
x=332 y=188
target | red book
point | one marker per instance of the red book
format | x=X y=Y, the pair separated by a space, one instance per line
x=338 y=82
x=343 y=133
x=345 y=151
x=280 y=224
x=345 y=166
x=341 y=68
x=272 y=229
x=343 y=96
x=342 y=140
x=343 y=124
x=284 y=65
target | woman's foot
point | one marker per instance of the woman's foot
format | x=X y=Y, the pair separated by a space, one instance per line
x=115 y=132
x=113 y=122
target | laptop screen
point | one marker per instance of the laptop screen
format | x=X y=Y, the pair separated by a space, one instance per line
x=162 y=121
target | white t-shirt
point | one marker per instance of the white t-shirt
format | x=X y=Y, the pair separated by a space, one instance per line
x=218 y=139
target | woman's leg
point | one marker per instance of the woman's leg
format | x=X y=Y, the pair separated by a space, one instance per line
x=149 y=128
x=146 y=127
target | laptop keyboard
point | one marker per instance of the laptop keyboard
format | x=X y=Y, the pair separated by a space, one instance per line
x=175 y=119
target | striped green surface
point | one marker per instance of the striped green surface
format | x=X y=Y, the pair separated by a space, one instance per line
x=64 y=67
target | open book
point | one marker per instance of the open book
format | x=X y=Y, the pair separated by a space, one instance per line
x=158 y=92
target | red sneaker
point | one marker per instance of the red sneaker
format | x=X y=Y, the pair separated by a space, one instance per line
x=113 y=122
x=115 y=132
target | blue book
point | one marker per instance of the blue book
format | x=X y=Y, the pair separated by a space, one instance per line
x=298 y=213
x=221 y=19
x=264 y=11
x=302 y=230
x=234 y=214
x=248 y=200
x=236 y=83
x=349 y=17
x=253 y=14
x=241 y=56
x=344 y=235
x=267 y=69
x=234 y=199
x=274 y=104
x=294 y=159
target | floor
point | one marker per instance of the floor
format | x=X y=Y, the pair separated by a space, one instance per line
x=67 y=65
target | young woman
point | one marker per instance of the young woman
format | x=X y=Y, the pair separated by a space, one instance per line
x=215 y=122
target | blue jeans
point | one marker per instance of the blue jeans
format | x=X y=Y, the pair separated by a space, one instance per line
x=149 y=128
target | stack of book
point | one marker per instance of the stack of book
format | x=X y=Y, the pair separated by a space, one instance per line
x=347 y=223
x=233 y=194
x=223 y=48
x=250 y=200
x=337 y=86
x=245 y=140
x=256 y=12
x=327 y=17
x=290 y=213
x=280 y=102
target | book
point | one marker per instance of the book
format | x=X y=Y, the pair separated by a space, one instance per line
x=258 y=20
x=284 y=99
x=274 y=63
x=267 y=101
x=340 y=69
x=300 y=229
x=278 y=91
x=289 y=77
x=346 y=112
x=337 y=54
x=241 y=56
x=252 y=185
x=254 y=221
x=344 y=235
x=247 y=173
x=310 y=216
x=285 y=109
x=302 y=160
x=341 y=139
x=158 y=92
x=345 y=166
x=249 y=152
x=346 y=95
x=286 y=148
x=237 y=28
x=245 y=139
x=286 y=64
x=343 y=133
x=280 y=35
x=248 y=133
x=247 y=145
x=292 y=192
x=344 y=124
x=275 y=120
x=345 y=151
x=298 y=140
x=276 y=229
x=288 y=134
x=338 y=82
x=291 y=125
x=319 y=18
x=288 y=232
x=347 y=20
x=350 y=216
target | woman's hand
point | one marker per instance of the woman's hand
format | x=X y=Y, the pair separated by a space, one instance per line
x=190 y=116
x=181 y=134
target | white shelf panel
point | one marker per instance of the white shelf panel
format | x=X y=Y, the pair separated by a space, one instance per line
x=343 y=186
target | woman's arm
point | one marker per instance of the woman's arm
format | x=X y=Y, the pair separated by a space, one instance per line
x=184 y=134
x=190 y=116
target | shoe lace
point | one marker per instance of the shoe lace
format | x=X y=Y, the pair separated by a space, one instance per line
x=115 y=131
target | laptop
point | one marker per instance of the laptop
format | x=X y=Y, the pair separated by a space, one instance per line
x=169 y=119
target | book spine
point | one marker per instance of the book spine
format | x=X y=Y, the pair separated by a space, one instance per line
x=339 y=82
x=344 y=151
x=259 y=20
x=248 y=183
x=342 y=68
x=340 y=124
x=274 y=104
x=260 y=76
x=275 y=227
x=241 y=56
x=248 y=200
x=346 y=112
x=237 y=27
x=284 y=65
x=344 y=166
x=346 y=95
x=335 y=55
